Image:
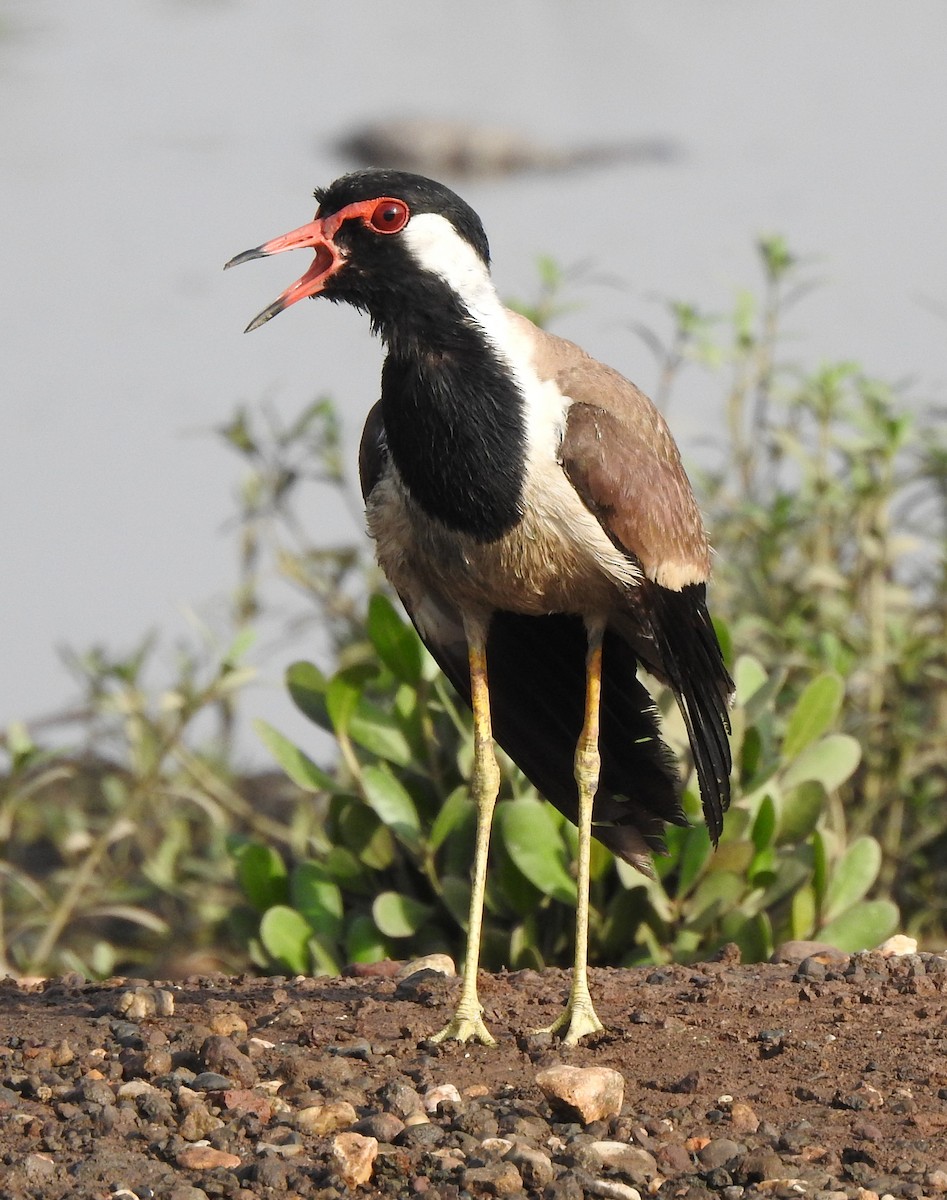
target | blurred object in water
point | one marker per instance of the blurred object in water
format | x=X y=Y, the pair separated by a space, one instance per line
x=432 y=146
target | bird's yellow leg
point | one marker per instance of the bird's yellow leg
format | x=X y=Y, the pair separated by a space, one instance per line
x=579 y=1017
x=467 y=1022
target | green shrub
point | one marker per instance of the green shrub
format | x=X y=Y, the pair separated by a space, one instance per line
x=390 y=875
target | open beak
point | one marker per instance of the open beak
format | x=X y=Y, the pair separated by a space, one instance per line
x=328 y=261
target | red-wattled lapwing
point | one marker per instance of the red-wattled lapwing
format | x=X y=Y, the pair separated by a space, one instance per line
x=529 y=506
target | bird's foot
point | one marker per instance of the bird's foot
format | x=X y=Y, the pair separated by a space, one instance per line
x=577 y=1021
x=465 y=1027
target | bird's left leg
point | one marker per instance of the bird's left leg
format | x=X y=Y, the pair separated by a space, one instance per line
x=467 y=1023
x=579 y=1017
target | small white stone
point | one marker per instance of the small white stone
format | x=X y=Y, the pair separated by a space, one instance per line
x=135 y=1087
x=444 y=1093
x=590 y=1093
x=496 y=1146
x=442 y=963
x=611 y=1189
x=353 y=1156
x=897 y=945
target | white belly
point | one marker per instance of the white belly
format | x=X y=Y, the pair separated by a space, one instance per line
x=556 y=559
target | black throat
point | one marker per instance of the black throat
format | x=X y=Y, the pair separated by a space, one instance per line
x=455 y=425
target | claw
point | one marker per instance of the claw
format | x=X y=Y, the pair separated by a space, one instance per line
x=465 y=1029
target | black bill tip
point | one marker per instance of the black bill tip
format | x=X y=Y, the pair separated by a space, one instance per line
x=246 y=256
x=266 y=315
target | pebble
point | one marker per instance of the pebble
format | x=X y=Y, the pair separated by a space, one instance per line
x=321 y=1119
x=421 y=1134
x=611 y=1189
x=718 y=1152
x=228 y=1024
x=637 y=1164
x=210 y=1081
x=221 y=1055
x=495 y=1179
x=443 y=964
x=384 y=1127
x=244 y=1100
x=444 y=1093
x=795 y=952
x=760 y=1164
x=897 y=945
x=586 y=1094
x=182 y=1192
x=353 y=1156
x=400 y=1098
x=137 y=1003
x=535 y=1167
x=198 y=1123
x=135 y=1088
x=205 y=1158
x=39 y=1167
x=742 y=1118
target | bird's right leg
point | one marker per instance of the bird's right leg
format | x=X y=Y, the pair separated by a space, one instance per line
x=467 y=1022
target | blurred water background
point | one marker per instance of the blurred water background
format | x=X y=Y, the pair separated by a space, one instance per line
x=144 y=143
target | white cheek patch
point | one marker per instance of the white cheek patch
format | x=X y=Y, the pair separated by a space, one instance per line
x=437 y=247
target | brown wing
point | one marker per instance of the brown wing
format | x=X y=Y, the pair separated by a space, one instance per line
x=625 y=466
x=618 y=454
x=620 y=457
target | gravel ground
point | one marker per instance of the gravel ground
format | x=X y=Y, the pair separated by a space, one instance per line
x=823 y=1078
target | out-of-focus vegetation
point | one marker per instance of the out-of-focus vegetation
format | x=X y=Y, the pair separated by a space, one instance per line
x=138 y=848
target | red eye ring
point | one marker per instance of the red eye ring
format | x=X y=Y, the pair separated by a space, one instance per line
x=389 y=216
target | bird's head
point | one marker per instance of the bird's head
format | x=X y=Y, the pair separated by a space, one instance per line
x=386 y=242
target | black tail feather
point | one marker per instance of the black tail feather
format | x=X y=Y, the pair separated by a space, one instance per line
x=692 y=664
x=536 y=668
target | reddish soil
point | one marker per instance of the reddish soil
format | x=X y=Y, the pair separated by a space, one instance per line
x=739 y=1081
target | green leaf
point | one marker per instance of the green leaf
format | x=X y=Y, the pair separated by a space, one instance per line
x=694 y=855
x=343 y=868
x=317 y=897
x=392 y=804
x=814 y=713
x=456 y=811
x=820 y=867
x=399 y=916
x=764 y=827
x=509 y=891
x=361 y=832
x=285 y=935
x=852 y=876
x=718 y=892
x=799 y=812
x=829 y=761
x=803 y=912
x=534 y=843
x=297 y=765
x=379 y=733
x=307 y=687
x=239 y=647
x=363 y=942
x=749 y=675
x=792 y=870
x=863 y=926
x=342 y=697
x=398 y=646
x=455 y=892
x=262 y=875
x=322 y=959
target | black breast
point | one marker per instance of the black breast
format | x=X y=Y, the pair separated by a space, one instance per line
x=455 y=430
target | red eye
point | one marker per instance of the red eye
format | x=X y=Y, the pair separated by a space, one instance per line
x=389 y=216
